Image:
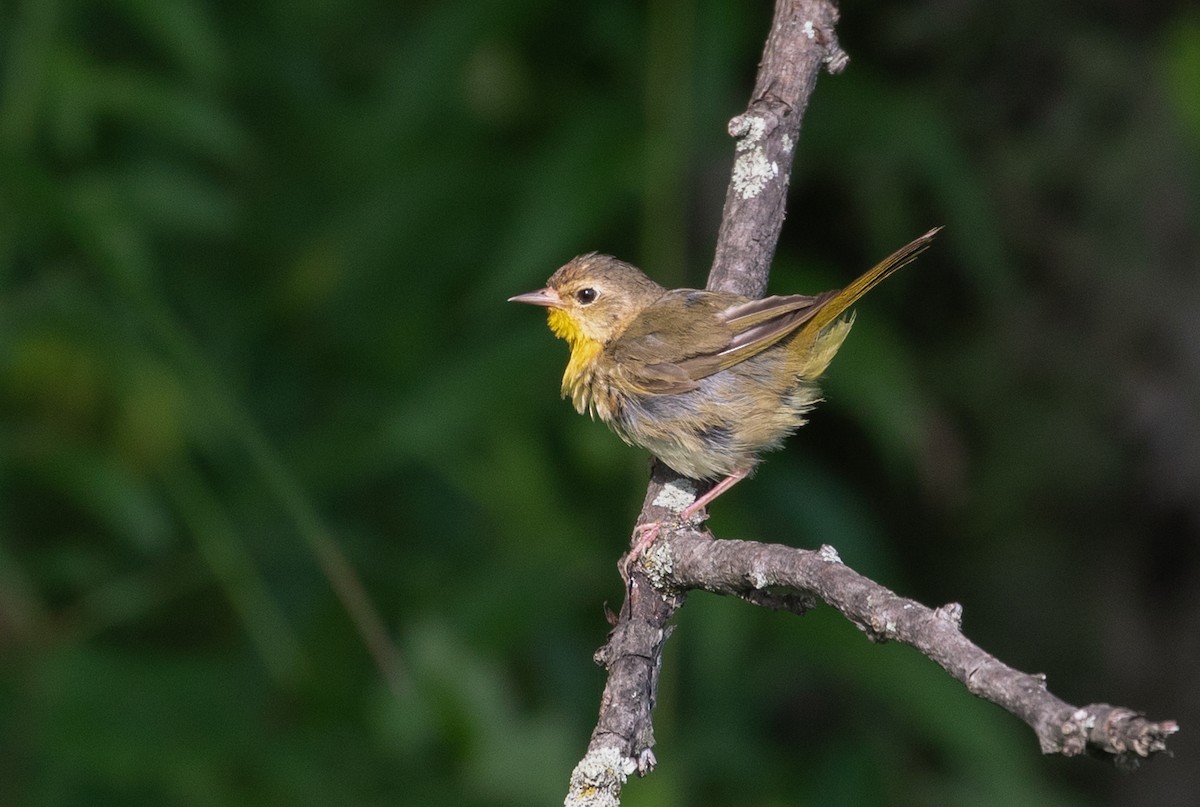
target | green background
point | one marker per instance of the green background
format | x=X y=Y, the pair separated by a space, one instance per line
x=253 y=264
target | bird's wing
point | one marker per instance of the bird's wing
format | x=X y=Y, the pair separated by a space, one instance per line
x=688 y=335
x=757 y=325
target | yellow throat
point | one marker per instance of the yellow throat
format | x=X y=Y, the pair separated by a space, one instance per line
x=584 y=351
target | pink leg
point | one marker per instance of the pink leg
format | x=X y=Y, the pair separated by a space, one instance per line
x=648 y=533
x=716 y=490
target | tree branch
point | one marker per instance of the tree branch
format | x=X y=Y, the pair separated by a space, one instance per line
x=800 y=43
x=693 y=560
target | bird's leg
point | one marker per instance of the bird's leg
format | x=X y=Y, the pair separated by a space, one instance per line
x=713 y=492
x=647 y=534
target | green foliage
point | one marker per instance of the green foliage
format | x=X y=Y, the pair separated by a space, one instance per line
x=253 y=353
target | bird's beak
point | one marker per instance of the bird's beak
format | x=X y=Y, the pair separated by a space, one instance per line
x=545 y=297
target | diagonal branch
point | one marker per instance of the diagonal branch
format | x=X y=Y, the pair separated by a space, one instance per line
x=691 y=560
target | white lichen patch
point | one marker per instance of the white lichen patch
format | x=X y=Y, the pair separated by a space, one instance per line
x=1085 y=719
x=658 y=563
x=752 y=171
x=676 y=495
x=828 y=554
x=598 y=778
x=809 y=30
x=787 y=143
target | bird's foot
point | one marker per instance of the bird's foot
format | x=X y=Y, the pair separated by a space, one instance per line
x=644 y=535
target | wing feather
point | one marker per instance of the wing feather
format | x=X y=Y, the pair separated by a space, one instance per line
x=688 y=335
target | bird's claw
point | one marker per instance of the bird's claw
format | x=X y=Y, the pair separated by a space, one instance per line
x=647 y=533
x=644 y=535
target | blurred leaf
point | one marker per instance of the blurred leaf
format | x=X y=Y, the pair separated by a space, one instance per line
x=183 y=30
x=1183 y=68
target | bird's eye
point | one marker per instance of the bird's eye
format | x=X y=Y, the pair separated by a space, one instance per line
x=586 y=296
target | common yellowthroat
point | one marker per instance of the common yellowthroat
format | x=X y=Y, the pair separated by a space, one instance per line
x=704 y=380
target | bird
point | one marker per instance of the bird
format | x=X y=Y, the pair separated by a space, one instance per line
x=706 y=381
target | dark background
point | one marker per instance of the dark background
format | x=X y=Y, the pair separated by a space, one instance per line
x=253 y=263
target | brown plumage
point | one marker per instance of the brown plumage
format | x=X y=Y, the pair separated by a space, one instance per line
x=706 y=381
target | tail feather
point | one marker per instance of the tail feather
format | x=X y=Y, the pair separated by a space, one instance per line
x=871 y=278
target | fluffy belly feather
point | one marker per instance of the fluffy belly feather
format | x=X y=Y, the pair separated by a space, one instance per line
x=719 y=428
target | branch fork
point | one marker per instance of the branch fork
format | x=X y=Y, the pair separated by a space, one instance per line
x=685 y=557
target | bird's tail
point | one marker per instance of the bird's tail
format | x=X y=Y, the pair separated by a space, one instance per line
x=849 y=295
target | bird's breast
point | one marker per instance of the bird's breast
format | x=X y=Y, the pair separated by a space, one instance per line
x=588 y=384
